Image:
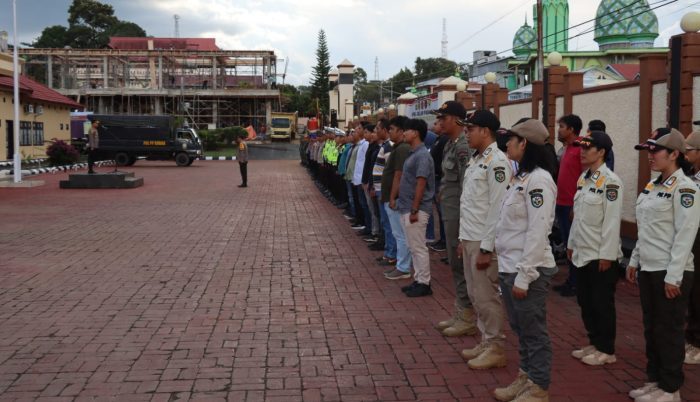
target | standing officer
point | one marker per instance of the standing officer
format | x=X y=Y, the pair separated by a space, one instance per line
x=454 y=164
x=485 y=183
x=594 y=247
x=667 y=223
x=242 y=158
x=92 y=145
x=692 y=332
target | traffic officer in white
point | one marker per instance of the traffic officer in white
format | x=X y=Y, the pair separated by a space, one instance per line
x=594 y=247
x=525 y=261
x=667 y=222
x=485 y=182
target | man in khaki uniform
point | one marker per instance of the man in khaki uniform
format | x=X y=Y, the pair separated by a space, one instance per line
x=485 y=184
x=92 y=145
x=454 y=164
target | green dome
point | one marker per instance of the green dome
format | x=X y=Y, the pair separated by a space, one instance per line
x=625 y=23
x=525 y=41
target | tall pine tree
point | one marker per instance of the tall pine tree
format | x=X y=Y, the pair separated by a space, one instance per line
x=319 y=84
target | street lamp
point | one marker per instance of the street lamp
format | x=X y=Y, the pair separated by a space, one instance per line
x=461 y=86
x=15 y=66
x=491 y=77
x=392 y=107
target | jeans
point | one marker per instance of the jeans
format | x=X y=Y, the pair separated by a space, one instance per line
x=389 y=241
x=664 y=320
x=596 y=297
x=562 y=214
x=365 y=208
x=373 y=212
x=403 y=254
x=528 y=319
x=351 y=200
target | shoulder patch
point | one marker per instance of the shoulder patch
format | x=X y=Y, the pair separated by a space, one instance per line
x=536 y=198
x=611 y=194
x=500 y=175
x=687 y=200
x=686 y=191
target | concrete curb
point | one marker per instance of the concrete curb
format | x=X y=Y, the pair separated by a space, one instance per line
x=54 y=169
x=217 y=158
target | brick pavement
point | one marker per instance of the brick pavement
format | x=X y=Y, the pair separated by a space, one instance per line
x=191 y=288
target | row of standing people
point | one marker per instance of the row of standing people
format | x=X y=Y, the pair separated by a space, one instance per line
x=505 y=214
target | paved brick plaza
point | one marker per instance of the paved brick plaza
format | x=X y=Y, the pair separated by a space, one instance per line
x=191 y=288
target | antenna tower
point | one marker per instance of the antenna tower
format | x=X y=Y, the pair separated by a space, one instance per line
x=177 y=25
x=443 y=54
x=376 y=68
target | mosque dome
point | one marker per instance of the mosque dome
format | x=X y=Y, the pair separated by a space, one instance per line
x=625 y=24
x=525 y=41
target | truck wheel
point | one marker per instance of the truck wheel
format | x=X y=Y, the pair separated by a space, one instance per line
x=132 y=160
x=182 y=159
x=122 y=158
x=191 y=161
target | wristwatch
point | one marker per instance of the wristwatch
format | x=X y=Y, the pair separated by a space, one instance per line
x=482 y=251
x=414 y=211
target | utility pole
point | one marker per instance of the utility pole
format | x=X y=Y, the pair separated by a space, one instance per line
x=540 y=48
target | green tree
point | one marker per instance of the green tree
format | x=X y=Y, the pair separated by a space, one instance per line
x=434 y=67
x=90 y=24
x=296 y=99
x=319 y=83
x=401 y=80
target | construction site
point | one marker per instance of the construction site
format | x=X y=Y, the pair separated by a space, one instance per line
x=191 y=78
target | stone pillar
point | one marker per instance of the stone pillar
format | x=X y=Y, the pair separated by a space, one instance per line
x=683 y=64
x=553 y=86
x=268 y=113
x=537 y=93
x=158 y=105
x=652 y=68
x=160 y=72
x=573 y=82
x=215 y=113
x=466 y=99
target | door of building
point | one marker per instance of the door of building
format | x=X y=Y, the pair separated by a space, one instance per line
x=10 y=140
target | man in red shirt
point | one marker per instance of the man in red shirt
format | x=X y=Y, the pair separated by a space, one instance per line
x=570 y=170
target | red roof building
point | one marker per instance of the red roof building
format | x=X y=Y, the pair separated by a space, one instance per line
x=126 y=43
x=630 y=72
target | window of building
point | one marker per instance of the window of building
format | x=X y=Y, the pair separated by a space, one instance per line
x=25 y=133
x=38 y=133
x=61 y=126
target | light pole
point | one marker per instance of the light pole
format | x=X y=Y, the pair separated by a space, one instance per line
x=15 y=66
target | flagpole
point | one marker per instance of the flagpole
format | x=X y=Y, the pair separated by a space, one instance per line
x=15 y=66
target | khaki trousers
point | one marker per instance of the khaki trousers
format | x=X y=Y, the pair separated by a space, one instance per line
x=415 y=237
x=482 y=286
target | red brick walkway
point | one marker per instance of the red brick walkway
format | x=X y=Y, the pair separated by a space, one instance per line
x=190 y=288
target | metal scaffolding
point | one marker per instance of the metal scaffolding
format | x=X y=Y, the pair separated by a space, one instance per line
x=220 y=88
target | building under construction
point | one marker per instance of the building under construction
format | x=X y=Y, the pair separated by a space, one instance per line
x=187 y=77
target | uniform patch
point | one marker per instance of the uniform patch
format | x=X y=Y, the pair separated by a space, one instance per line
x=596 y=175
x=500 y=176
x=611 y=194
x=600 y=181
x=241 y=146
x=612 y=186
x=536 y=198
x=487 y=151
x=686 y=191
x=687 y=200
x=670 y=182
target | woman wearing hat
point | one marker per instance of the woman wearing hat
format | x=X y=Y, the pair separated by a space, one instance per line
x=692 y=332
x=594 y=247
x=525 y=261
x=667 y=222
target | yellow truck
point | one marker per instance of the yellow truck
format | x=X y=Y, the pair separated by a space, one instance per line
x=283 y=126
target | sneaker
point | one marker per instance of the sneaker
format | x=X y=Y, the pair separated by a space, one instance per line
x=494 y=356
x=692 y=355
x=371 y=239
x=659 y=395
x=469 y=354
x=508 y=393
x=396 y=274
x=364 y=233
x=358 y=227
x=348 y=217
x=645 y=389
x=419 y=290
x=380 y=259
x=376 y=246
x=438 y=246
x=409 y=287
x=388 y=262
x=583 y=351
x=598 y=358
x=532 y=393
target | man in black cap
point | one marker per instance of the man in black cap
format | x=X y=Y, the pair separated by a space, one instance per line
x=454 y=164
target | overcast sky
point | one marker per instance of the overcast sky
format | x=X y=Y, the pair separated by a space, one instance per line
x=395 y=31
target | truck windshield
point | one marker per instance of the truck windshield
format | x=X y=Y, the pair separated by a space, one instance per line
x=280 y=123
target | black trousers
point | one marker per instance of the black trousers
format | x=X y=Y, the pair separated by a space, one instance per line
x=359 y=213
x=244 y=172
x=596 y=297
x=92 y=155
x=664 y=321
x=692 y=332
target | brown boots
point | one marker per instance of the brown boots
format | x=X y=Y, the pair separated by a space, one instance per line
x=463 y=322
x=521 y=390
x=492 y=355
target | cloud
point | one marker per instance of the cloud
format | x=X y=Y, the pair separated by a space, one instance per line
x=395 y=31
